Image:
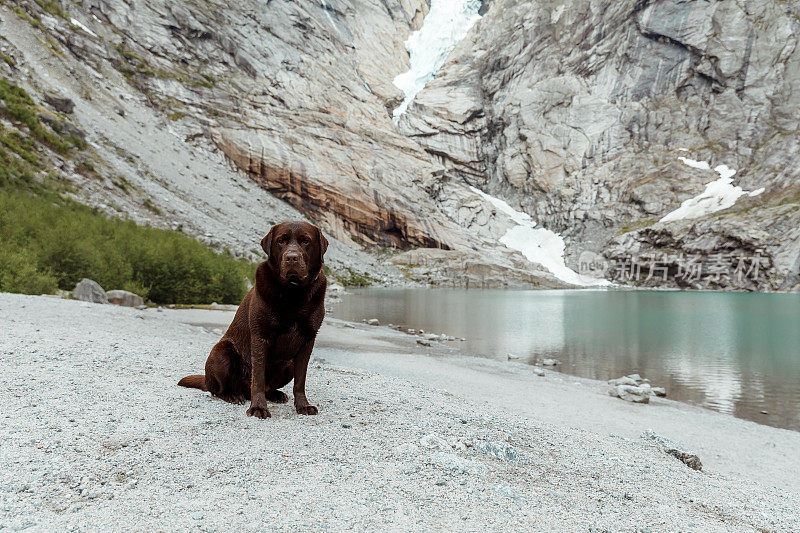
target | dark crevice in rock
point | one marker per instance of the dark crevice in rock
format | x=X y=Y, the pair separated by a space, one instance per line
x=740 y=83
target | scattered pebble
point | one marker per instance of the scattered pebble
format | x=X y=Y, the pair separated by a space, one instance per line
x=432 y=441
x=498 y=449
x=674 y=449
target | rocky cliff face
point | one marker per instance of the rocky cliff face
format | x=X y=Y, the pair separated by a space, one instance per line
x=295 y=96
x=578 y=112
x=575 y=113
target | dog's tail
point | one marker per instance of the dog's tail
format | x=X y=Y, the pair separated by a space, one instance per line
x=197 y=381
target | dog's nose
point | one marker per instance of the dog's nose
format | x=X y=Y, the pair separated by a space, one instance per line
x=292 y=257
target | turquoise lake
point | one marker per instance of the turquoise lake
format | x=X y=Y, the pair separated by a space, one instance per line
x=737 y=353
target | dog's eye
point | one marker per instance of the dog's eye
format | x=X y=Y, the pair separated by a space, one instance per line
x=305 y=240
x=282 y=240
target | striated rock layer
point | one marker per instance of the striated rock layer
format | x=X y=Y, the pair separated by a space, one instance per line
x=578 y=112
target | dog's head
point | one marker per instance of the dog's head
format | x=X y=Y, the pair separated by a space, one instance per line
x=294 y=252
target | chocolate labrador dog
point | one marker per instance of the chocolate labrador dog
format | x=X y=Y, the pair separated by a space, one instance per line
x=271 y=337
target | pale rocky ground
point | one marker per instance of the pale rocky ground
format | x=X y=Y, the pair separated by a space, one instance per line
x=95 y=434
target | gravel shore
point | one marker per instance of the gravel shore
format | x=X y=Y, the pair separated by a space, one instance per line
x=95 y=434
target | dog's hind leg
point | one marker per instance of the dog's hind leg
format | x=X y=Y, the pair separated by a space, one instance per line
x=223 y=373
x=279 y=379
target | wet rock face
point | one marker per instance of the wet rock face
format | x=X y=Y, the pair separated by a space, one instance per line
x=579 y=111
x=343 y=199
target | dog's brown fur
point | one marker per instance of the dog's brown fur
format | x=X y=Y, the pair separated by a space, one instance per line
x=271 y=337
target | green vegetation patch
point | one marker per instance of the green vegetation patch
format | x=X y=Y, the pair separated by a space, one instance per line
x=790 y=196
x=18 y=107
x=353 y=278
x=636 y=225
x=48 y=243
x=33 y=20
x=52 y=7
x=136 y=66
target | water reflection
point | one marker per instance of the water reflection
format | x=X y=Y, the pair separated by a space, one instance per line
x=736 y=353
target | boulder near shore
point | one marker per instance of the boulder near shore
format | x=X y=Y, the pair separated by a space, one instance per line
x=124 y=298
x=89 y=291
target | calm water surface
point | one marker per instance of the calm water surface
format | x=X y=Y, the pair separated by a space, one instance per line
x=737 y=353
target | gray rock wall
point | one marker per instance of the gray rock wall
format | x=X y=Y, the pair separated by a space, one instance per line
x=575 y=112
x=578 y=111
x=195 y=105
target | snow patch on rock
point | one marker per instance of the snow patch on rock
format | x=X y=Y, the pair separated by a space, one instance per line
x=81 y=25
x=703 y=165
x=538 y=245
x=719 y=194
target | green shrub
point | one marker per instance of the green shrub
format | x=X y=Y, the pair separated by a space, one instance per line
x=19 y=273
x=52 y=7
x=8 y=59
x=13 y=167
x=49 y=243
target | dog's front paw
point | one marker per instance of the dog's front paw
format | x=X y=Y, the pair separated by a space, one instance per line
x=258 y=408
x=306 y=409
x=258 y=412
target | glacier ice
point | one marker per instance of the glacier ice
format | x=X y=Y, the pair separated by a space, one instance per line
x=447 y=22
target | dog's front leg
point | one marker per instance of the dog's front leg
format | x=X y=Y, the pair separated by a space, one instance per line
x=300 y=369
x=259 y=347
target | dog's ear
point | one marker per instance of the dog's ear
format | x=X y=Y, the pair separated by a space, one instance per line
x=323 y=245
x=266 y=243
